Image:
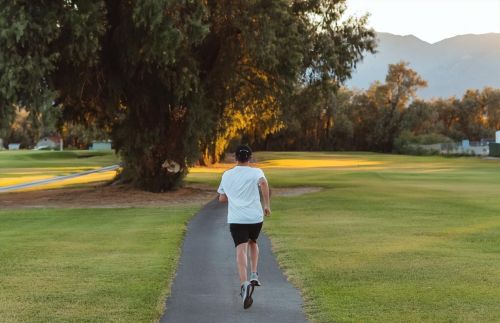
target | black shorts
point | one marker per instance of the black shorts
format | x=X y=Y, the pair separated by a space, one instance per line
x=241 y=233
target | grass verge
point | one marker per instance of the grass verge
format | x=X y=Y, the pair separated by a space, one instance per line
x=389 y=238
x=88 y=265
x=18 y=167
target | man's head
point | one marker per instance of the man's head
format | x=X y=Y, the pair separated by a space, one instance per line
x=243 y=153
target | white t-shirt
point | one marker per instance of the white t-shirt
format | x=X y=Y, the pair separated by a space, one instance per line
x=241 y=186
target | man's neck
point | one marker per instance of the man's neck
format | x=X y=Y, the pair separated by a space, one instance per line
x=243 y=164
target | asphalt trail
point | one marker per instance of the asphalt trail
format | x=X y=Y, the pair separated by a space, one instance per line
x=206 y=287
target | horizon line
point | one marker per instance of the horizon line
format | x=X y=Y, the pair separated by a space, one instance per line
x=425 y=41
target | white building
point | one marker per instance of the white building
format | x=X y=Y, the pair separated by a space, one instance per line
x=50 y=142
x=101 y=145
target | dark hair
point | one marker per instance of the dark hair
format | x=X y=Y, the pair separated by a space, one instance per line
x=243 y=153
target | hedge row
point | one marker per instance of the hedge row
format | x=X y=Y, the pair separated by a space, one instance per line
x=494 y=150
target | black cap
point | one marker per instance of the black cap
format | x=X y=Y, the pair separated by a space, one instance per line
x=243 y=153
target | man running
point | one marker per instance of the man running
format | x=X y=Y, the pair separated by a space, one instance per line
x=240 y=187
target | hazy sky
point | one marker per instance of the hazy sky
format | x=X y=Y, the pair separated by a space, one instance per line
x=430 y=20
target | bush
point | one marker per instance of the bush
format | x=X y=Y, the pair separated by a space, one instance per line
x=433 y=138
x=494 y=149
x=409 y=144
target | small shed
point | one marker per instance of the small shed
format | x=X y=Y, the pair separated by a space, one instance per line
x=49 y=142
x=101 y=145
x=14 y=146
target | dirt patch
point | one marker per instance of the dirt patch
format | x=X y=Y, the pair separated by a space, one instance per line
x=105 y=197
x=294 y=191
x=281 y=191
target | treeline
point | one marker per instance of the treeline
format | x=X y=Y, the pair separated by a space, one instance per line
x=385 y=118
x=179 y=82
x=388 y=117
x=173 y=81
x=27 y=127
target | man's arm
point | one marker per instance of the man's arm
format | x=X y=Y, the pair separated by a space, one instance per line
x=222 y=193
x=223 y=198
x=264 y=188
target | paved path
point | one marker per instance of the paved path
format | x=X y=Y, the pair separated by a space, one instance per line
x=206 y=288
x=56 y=179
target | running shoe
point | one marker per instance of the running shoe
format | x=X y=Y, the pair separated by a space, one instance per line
x=254 y=279
x=246 y=294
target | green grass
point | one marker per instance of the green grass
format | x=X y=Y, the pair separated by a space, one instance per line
x=39 y=159
x=88 y=265
x=18 y=167
x=57 y=162
x=389 y=238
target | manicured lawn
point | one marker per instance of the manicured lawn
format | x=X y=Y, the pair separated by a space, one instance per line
x=389 y=238
x=18 y=167
x=54 y=159
x=88 y=265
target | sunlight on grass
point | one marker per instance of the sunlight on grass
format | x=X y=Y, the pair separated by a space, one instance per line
x=316 y=163
x=86 y=179
x=390 y=238
x=22 y=167
x=14 y=176
x=82 y=180
x=21 y=180
x=216 y=169
x=333 y=162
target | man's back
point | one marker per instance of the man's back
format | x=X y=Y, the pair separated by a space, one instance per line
x=241 y=185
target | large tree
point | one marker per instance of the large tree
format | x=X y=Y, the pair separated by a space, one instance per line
x=491 y=98
x=170 y=78
x=263 y=53
x=400 y=88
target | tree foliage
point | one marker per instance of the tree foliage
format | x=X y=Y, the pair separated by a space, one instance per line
x=265 y=50
x=385 y=117
x=173 y=80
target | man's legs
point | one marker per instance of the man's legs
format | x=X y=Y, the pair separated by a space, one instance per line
x=245 y=237
x=246 y=287
x=241 y=261
x=254 y=255
x=241 y=258
x=254 y=261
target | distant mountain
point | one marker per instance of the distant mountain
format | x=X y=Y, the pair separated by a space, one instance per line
x=450 y=66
